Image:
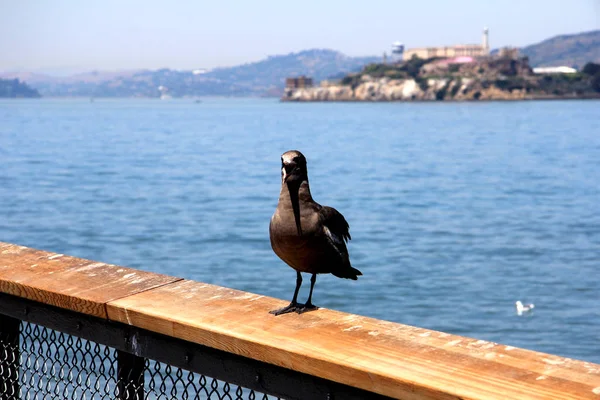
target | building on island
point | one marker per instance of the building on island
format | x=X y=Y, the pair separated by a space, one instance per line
x=460 y=50
x=300 y=82
x=509 y=52
x=554 y=70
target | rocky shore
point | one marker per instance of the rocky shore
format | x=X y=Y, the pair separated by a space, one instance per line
x=386 y=89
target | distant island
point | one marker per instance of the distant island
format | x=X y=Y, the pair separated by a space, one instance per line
x=463 y=72
x=13 y=88
x=498 y=77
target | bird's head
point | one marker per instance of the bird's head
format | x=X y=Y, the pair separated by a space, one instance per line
x=293 y=167
x=519 y=305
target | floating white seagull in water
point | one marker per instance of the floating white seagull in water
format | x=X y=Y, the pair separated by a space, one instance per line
x=523 y=308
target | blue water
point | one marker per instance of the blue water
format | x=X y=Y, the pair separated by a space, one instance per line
x=456 y=210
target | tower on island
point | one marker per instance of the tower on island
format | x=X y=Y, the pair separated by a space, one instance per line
x=397 y=51
x=486 y=41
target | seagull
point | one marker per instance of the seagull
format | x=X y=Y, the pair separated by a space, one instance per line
x=523 y=308
x=308 y=237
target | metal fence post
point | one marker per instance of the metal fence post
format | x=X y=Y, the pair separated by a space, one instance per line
x=9 y=357
x=130 y=376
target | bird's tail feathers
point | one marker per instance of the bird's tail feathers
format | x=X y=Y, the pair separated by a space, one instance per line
x=348 y=273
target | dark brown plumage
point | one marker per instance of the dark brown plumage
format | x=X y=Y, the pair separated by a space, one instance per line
x=309 y=237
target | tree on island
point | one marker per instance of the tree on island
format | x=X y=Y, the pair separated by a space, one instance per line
x=13 y=88
x=593 y=69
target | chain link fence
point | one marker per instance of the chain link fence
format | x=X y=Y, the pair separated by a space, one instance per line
x=47 y=364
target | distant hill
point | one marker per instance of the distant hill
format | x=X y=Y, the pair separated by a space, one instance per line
x=270 y=73
x=13 y=88
x=33 y=78
x=265 y=77
x=571 y=50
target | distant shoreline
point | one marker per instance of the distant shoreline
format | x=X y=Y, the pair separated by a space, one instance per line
x=191 y=101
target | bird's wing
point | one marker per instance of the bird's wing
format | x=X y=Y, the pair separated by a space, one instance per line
x=335 y=226
x=335 y=229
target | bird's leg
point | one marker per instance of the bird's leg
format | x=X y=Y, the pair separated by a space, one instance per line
x=293 y=306
x=309 y=306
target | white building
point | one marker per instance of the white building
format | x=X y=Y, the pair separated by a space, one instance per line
x=554 y=70
x=459 y=50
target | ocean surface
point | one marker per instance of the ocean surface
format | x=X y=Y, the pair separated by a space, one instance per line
x=456 y=210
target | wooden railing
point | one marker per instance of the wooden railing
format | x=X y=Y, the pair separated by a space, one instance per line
x=377 y=358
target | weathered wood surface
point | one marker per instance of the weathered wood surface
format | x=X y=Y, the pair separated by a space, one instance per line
x=383 y=357
x=387 y=358
x=69 y=282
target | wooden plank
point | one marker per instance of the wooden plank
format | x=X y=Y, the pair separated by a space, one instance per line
x=69 y=282
x=387 y=358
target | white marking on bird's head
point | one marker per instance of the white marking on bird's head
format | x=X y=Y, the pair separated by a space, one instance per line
x=288 y=157
x=293 y=166
x=293 y=157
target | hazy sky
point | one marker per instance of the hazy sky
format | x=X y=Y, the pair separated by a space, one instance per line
x=126 y=34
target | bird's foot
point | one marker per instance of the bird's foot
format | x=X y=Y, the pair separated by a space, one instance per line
x=302 y=308
x=293 y=306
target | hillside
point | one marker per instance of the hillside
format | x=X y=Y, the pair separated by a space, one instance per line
x=13 y=88
x=319 y=64
x=253 y=79
x=572 y=50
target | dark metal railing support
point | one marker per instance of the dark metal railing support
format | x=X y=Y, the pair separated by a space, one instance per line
x=9 y=357
x=130 y=376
